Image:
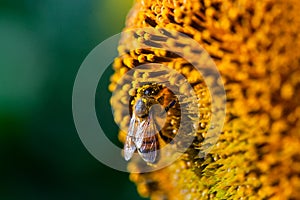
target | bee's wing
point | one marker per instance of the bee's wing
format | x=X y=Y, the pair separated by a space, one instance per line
x=148 y=148
x=140 y=133
x=129 y=146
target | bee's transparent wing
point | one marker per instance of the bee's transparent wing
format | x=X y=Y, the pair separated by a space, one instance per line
x=140 y=133
x=129 y=146
x=148 y=149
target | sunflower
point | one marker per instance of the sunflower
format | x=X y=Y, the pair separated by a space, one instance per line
x=255 y=46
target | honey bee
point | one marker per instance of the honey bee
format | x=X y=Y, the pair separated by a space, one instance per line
x=143 y=130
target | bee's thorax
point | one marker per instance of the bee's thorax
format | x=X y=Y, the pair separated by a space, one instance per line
x=141 y=108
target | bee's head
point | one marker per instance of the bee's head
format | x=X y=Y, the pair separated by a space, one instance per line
x=146 y=98
x=149 y=90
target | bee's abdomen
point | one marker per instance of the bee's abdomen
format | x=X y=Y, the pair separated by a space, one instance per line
x=149 y=144
x=149 y=149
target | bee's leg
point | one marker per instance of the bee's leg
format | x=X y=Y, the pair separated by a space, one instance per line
x=170 y=105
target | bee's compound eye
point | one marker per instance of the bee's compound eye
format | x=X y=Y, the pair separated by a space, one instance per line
x=148 y=91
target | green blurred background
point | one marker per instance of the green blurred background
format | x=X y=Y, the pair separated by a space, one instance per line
x=42 y=45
